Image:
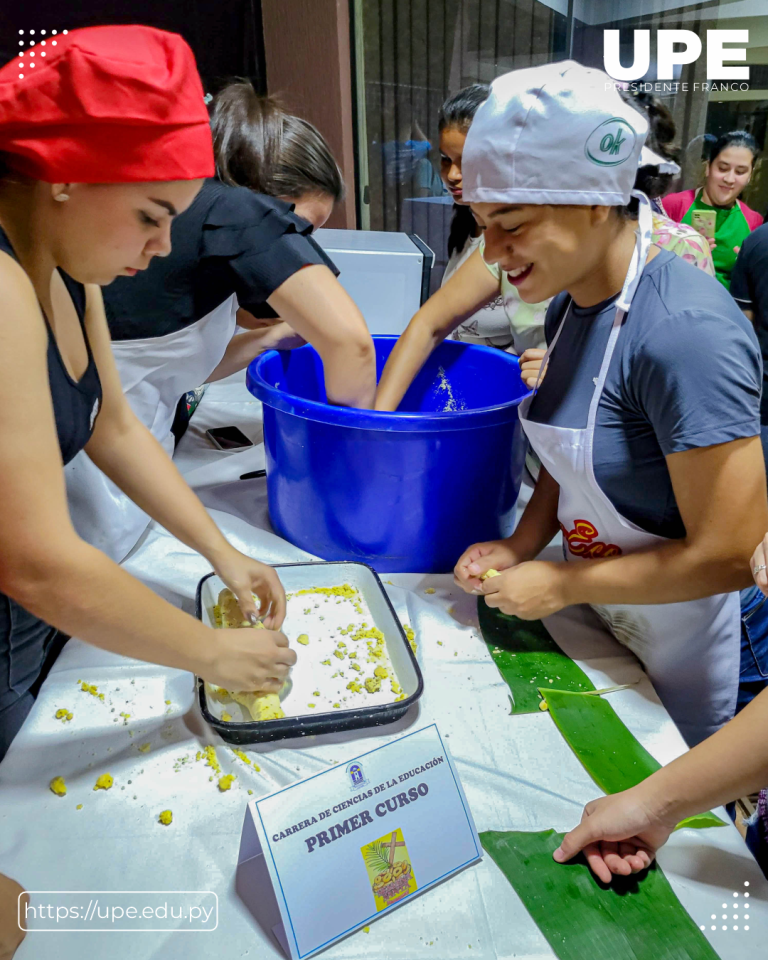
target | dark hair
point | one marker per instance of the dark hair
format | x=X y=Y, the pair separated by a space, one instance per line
x=660 y=139
x=736 y=138
x=708 y=141
x=458 y=111
x=258 y=145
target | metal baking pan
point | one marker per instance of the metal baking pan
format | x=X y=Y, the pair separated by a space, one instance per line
x=298 y=576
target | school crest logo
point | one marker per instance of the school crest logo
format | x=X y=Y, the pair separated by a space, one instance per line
x=611 y=143
x=356 y=775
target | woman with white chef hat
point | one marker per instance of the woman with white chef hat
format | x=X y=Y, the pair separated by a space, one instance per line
x=475 y=295
x=647 y=424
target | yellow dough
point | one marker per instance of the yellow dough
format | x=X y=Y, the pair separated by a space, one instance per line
x=489 y=573
x=165 y=817
x=261 y=706
x=227 y=612
x=58 y=786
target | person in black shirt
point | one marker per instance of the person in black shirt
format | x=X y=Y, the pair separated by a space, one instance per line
x=239 y=257
x=749 y=288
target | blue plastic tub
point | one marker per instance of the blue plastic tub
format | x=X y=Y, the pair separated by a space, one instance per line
x=405 y=491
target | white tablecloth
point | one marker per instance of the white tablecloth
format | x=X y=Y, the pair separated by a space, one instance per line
x=518 y=772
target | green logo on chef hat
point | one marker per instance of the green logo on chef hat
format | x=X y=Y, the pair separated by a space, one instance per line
x=611 y=143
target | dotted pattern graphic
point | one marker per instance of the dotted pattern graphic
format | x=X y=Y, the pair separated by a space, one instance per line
x=29 y=59
x=737 y=904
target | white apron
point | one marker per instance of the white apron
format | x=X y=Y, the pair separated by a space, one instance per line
x=690 y=650
x=155 y=373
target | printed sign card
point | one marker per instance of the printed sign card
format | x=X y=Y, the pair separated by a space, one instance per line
x=347 y=844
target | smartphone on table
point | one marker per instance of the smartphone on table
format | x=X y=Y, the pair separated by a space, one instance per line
x=228 y=438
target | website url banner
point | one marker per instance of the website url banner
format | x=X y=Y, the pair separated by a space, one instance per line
x=140 y=911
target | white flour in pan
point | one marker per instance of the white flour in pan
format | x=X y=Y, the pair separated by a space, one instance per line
x=342 y=657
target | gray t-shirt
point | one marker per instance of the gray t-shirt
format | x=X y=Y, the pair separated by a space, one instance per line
x=686 y=373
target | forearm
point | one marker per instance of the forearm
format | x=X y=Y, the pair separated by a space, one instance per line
x=350 y=373
x=730 y=764
x=317 y=307
x=539 y=523
x=138 y=465
x=81 y=592
x=408 y=356
x=242 y=348
x=470 y=288
x=670 y=573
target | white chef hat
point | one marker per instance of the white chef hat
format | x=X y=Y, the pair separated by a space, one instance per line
x=557 y=133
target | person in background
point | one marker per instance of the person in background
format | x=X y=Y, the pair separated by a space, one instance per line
x=716 y=208
x=238 y=255
x=749 y=288
x=506 y=321
x=259 y=145
x=620 y=834
x=407 y=163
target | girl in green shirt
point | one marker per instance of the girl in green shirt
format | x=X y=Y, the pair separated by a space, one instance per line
x=715 y=210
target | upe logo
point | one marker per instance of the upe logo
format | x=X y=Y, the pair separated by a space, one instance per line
x=355 y=774
x=667 y=58
x=611 y=143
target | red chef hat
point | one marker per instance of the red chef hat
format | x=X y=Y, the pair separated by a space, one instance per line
x=117 y=104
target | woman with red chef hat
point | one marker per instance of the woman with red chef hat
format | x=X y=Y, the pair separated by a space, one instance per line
x=101 y=146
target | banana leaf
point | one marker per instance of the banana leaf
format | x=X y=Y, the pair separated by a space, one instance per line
x=633 y=918
x=528 y=658
x=607 y=750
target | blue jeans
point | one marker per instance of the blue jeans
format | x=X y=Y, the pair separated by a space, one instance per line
x=753 y=674
x=764 y=441
x=753 y=677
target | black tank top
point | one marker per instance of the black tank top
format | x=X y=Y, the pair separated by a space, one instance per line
x=75 y=403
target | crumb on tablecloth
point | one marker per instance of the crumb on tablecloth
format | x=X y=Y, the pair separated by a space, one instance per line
x=64 y=715
x=166 y=817
x=58 y=786
x=211 y=760
x=225 y=783
x=104 y=782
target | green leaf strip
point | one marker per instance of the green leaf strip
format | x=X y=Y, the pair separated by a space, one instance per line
x=633 y=918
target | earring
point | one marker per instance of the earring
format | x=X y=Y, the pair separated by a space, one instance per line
x=61 y=197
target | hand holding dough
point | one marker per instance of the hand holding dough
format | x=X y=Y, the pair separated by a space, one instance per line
x=261 y=706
